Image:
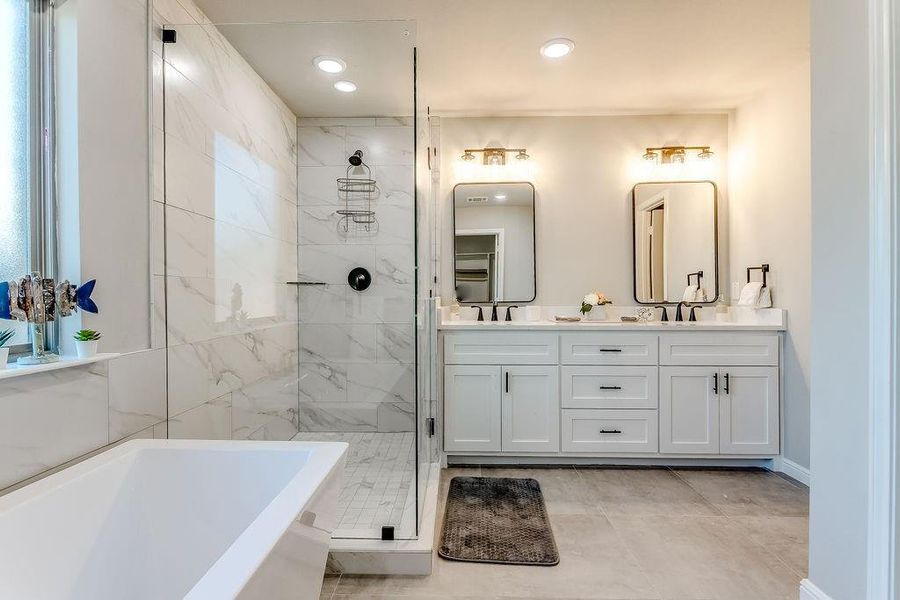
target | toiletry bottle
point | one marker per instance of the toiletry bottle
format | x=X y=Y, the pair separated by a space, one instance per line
x=721 y=309
x=454 y=309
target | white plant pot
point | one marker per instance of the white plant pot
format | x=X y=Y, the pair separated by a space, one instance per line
x=598 y=313
x=4 y=357
x=86 y=349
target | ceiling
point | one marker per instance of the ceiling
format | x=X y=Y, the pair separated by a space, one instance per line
x=631 y=56
x=379 y=57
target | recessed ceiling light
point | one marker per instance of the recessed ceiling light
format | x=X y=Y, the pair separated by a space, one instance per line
x=329 y=64
x=345 y=86
x=557 y=48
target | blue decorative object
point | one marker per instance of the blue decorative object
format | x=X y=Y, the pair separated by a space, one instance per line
x=4 y=300
x=83 y=296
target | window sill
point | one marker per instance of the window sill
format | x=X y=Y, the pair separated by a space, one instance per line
x=65 y=362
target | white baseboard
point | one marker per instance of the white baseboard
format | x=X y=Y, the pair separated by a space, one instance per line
x=810 y=591
x=792 y=470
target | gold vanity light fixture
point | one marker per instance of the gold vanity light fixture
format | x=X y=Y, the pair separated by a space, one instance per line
x=494 y=156
x=676 y=154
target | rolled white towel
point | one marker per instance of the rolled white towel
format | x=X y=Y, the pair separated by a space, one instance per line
x=690 y=294
x=765 y=298
x=750 y=294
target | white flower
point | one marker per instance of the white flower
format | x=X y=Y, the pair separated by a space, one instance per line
x=591 y=299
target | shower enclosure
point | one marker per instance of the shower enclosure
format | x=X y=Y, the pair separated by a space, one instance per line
x=293 y=218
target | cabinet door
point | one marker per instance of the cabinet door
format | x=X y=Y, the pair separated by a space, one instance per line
x=689 y=410
x=472 y=408
x=530 y=409
x=748 y=416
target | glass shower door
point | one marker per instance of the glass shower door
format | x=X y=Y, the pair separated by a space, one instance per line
x=258 y=184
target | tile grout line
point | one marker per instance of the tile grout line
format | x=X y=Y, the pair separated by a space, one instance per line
x=731 y=519
x=719 y=511
x=621 y=538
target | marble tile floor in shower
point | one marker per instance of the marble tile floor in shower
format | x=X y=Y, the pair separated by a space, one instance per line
x=378 y=483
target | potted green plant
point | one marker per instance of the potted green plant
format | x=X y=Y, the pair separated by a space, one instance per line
x=5 y=336
x=86 y=341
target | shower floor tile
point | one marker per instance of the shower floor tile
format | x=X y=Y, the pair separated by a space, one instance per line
x=378 y=487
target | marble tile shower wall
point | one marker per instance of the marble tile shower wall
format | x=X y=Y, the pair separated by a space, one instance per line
x=357 y=351
x=228 y=208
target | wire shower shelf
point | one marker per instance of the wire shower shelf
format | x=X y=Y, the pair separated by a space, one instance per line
x=357 y=193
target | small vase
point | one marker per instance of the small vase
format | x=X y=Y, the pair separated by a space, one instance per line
x=4 y=357
x=598 y=313
x=86 y=349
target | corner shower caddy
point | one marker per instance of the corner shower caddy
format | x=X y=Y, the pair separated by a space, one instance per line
x=357 y=193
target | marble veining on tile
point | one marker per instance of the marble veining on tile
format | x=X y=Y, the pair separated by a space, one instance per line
x=378 y=486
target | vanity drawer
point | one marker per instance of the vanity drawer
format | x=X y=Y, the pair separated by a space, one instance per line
x=501 y=348
x=610 y=387
x=610 y=431
x=701 y=348
x=609 y=349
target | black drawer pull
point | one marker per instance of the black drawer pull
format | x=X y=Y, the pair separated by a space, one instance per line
x=715 y=383
x=610 y=349
x=610 y=387
x=610 y=431
x=727 y=391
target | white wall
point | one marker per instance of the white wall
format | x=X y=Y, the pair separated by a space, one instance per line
x=104 y=162
x=104 y=199
x=769 y=222
x=583 y=169
x=839 y=361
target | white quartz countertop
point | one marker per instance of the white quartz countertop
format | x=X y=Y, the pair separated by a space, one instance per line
x=543 y=318
x=606 y=326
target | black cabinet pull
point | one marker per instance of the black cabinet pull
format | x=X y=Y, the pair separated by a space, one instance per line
x=610 y=431
x=610 y=349
x=610 y=387
x=715 y=383
x=507 y=382
x=727 y=377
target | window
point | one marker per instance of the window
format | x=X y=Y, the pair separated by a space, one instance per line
x=24 y=144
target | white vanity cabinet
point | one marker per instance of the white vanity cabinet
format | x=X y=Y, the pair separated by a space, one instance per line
x=530 y=409
x=729 y=406
x=472 y=408
x=490 y=406
x=637 y=393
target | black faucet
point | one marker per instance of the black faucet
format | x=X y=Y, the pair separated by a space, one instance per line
x=693 y=316
x=678 y=316
x=509 y=312
x=665 y=315
x=494 y=312
x=480 y=315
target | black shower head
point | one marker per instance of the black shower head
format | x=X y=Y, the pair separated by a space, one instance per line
x=356 y=158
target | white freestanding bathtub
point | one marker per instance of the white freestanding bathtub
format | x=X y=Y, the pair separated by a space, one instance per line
x=175 y=519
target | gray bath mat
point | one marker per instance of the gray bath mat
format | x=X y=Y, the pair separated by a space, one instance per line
x=497 y=520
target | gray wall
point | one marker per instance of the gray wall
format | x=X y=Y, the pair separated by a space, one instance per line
x=840 y=353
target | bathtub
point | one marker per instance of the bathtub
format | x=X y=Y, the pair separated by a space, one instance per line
x=175 y=519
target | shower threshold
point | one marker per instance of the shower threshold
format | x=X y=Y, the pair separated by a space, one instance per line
x=379 y=490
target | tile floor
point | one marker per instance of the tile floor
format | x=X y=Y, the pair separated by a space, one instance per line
x=378 y=480
x=633 y=534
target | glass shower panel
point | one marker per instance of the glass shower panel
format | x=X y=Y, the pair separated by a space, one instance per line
x=229 y=157
x=270 y=337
